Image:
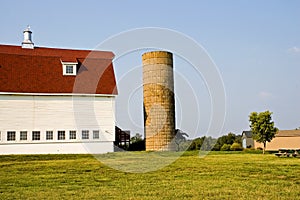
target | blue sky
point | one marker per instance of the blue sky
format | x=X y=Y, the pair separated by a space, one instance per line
x=255 y=44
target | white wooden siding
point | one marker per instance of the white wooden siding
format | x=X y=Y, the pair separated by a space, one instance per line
x=41 y=113
x=57 y=148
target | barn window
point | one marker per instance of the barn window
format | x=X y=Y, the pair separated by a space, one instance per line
x=61 y=135
x=85 y=135
x=95 y=134
x=11 y=135
x=69 y=68
x=72 y=135
x=49 y=135
x=36 y=135
x=23 y=135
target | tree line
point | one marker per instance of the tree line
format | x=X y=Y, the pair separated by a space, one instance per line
x=229 y=142
x=261 y=124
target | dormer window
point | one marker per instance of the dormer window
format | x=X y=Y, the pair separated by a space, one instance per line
x=69 y=68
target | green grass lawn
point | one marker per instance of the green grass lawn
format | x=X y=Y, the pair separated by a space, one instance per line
x=219 y=175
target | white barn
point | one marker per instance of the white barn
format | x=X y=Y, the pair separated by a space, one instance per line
x=56 y=101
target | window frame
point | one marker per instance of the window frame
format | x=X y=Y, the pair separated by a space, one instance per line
x=22 y=134
x=61 y=135
x=36 y=135
x=85 y=134
x=10 y=137
x=71 y=134
x=69 y=69
x=48 y=134
x=96 y=133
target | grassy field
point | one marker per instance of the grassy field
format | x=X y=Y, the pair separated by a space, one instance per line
x=219 y=175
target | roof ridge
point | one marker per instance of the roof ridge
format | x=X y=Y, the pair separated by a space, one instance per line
x=56 y=52
x=54 y=48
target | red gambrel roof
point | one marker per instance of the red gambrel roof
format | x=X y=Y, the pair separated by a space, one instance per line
x=39 y=70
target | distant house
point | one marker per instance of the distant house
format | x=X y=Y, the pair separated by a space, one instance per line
x=56 y=100
x=284 y=139
x=247 y=140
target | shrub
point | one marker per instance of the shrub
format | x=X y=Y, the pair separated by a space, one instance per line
x=252 y=151
x=230 y=138
x=236 y=147
x=225 y=147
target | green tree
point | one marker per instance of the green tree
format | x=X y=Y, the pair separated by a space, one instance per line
x=225 y=147
x=137 y=143
x=196 y=144
x=208 y=143
x=230 y=138
x=137 y=138
x=236 y=147
x=262 y=127
x=203 y=143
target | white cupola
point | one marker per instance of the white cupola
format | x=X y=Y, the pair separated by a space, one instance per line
x=27 y=43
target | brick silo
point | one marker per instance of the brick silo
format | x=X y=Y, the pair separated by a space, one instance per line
x=159 y=102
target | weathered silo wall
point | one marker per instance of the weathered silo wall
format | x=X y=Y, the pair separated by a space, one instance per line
x=159 y=102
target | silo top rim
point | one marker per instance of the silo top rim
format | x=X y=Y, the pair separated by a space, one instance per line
x=157 y=54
